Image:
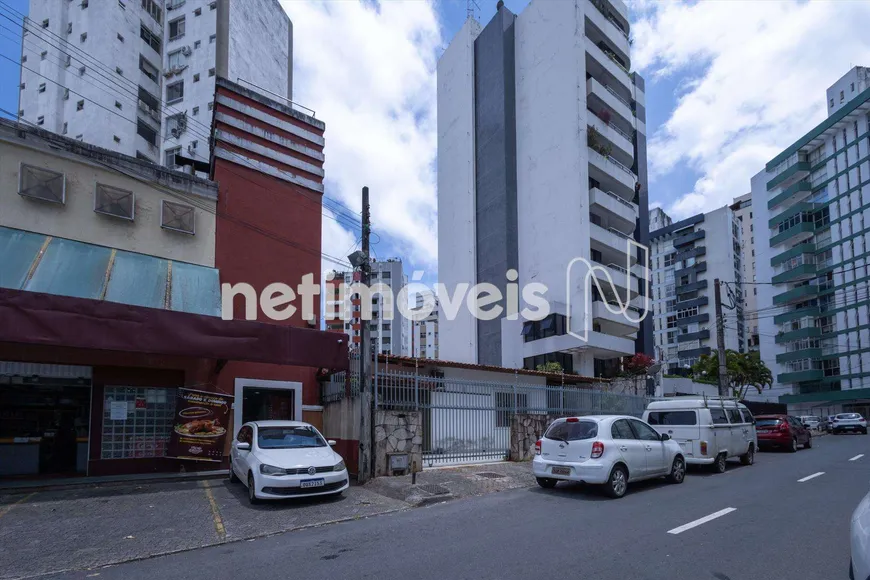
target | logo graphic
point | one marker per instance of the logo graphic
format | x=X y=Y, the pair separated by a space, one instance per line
x=311 y=471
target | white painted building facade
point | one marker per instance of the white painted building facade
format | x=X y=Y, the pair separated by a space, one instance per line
x=742 y=208
x=424 y=336
x=138 y=76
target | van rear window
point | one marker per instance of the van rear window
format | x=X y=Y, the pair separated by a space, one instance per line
x=672 y=418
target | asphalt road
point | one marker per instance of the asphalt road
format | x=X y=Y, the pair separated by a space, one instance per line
x=772 y=526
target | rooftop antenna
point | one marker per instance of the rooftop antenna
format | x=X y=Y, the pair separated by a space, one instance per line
x=471 y=8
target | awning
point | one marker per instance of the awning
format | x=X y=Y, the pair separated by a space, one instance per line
x=64 y=321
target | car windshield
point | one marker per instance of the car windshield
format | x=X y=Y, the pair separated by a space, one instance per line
x=573 y=431
x=288 y=438
x=848 y=416
x=767 y=422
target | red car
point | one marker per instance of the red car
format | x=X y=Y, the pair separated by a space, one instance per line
x=782 y=431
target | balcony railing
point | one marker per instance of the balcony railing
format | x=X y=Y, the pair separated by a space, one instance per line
x=621 y=166
x=619 y=97
x=619 y=233
x=621 y=200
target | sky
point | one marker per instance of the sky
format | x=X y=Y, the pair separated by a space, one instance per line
x=728 y=86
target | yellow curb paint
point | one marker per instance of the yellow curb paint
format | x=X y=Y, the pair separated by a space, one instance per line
x=6 y=509
x=215 y=512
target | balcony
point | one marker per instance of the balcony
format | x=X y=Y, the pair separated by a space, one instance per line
x=699 y=319
x=808 y=332
x=808 y=353
x=798 y=273
x=797 y=294
x=602 y=97
x=618 y=141
x=621 y=283
x=804 y=248
x=796 y=171
x=687 y=239
x=694 y=352
x=690 y=253
x=692 y=302
x=800 y=376
x=611 y=175
x=799 y=207
x=606 y=26
x=622 y=213
x=797 y=191
x=794 y=234
x=613 y=246
x=700 y=335
x=599 y=64
x=796 y=314
x=686 y=288
x=615 y=324
x=696 y=269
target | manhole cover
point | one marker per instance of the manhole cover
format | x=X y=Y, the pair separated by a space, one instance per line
x=434 y=489
x=490 y=475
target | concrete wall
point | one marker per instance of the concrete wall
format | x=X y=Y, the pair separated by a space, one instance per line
x=456 y=187
x=77 y=220
x=260 y=45
x=341 y=423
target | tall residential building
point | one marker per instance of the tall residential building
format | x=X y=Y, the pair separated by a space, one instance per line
x=742 y=208
x=425 y=333
x=539 y=165
x=687 y=256
x=138 y=76
x=387 y=336
x=814 y=315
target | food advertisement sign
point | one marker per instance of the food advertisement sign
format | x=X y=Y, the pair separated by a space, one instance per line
x=200 y=427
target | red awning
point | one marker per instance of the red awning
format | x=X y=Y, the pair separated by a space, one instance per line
x=48 y=319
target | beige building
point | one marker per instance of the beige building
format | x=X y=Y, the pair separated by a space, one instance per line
x=67 y=189
x=742 y=208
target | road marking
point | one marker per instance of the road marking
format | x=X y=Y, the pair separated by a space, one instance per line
x=857 y=457
x=813 y=476
x=6 y=509
x=215 y=512
x=703 y=520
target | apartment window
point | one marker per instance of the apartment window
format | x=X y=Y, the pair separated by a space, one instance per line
x=121 y=38
x=66 y=94
x=212 y=6
x=153 y=8
x=210 y=106
x=69 y=28
x=176 y=28
x=80 y=105
x=150 y=38
x=175 y=92
x=169 y=157
x=146 y=132
x=40 y=120
x=832 y=102
x=196 y=78
x=45 y=23
x=116 y=138
x=82 y=71
x=211 y=72
x=119 y=70
x=83 y=36
x=64 y=130
x=197 y=12
x=212 y=38
x=118 y=105
x=842 y=96
x=41 y=87
x=196 y=110
x=176 y=59
x=197 y=43
x=149 y=69
x=68 y=60
x=853 y=87
x=43 y=54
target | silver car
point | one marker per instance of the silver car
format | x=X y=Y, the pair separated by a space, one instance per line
x=859 y=568
x=609 y=450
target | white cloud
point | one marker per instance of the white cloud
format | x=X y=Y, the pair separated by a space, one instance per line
x=756 y=79
x=369 y=72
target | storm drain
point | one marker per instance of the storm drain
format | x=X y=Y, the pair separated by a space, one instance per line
x=490 y=475
x=434 y=489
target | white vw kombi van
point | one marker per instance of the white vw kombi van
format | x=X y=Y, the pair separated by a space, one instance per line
x=709 y=429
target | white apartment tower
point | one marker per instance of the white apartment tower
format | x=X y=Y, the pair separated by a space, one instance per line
x=687 y=256
x=742 y=208
x=539 y=165
x=138 y=76
x=425 y=333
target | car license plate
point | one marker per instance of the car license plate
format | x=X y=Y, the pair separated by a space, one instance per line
x=561 y=471
x=312 y=482
x=848 y=426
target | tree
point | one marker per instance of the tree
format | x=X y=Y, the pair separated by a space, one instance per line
x=744 y=369
x=637 y=367
x=550 y=367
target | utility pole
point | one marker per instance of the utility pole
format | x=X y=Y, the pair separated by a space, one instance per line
x=720 y=339
x=365 y=377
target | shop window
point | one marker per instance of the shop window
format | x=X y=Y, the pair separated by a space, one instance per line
x=137 y=422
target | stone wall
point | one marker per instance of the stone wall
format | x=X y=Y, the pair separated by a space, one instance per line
x=398 y=432
x=526 y=428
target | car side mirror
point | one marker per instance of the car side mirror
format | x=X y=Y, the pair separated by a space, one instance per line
x=243 y=446
x=666 y=437
x=332 y=443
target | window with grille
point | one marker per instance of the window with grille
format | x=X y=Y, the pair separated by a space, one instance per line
x=178 y=217
x=115 y=202
x=146 y=429
x=42 y=184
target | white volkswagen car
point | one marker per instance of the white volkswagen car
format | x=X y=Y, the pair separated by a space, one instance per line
x=281 y=459
x=610 y=450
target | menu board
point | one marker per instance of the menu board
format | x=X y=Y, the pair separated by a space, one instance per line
x=200 y=427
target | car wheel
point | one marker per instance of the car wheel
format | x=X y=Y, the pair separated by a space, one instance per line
x=720 y=465
x=617 y=483
x=809 y=443
x=252 y=490
x=748 y=458
x=678 y=470
x=793 y=447
x=233 y=477
x=546 y=482
x=864 y=432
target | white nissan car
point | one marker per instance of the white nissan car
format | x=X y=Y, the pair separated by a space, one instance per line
x=281 y=459
x=608 y=450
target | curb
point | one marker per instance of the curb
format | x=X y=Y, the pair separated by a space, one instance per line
x=110 y=482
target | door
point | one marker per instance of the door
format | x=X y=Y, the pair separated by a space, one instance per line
x=721 y=431
x=631 y=449
x=739 y=444
x=240 y=456
x=749 y=428
x=680 y=424
x=653 y=446
x=801 y=432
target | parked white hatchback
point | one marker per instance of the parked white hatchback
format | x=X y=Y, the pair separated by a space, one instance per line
x=610 y=450
x=281 y=459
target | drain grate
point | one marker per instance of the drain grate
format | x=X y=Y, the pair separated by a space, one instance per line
x=434 y=489
x=490 y=475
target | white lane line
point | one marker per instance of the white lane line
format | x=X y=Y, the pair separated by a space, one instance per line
x=813 y=476
x=703 y=520
x=857 y=457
